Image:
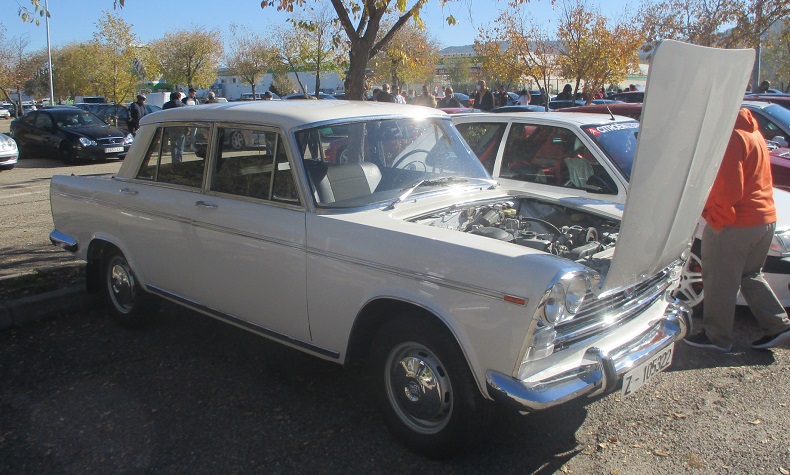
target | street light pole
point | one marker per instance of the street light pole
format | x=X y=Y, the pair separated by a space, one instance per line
x=49 y=57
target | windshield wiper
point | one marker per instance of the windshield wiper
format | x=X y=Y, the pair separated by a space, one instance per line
x=426 y=182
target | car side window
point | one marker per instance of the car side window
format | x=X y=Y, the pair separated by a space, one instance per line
x=43 y=121
x=484 y=139
x=553 y=156
x=253 y=163
x=177 y=156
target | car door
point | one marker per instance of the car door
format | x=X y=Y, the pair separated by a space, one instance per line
x=250 y=234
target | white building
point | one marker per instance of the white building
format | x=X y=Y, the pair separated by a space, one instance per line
x=231 y=86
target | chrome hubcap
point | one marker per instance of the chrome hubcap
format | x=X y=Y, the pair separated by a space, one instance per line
x=121 y=284
x=691 y=290
x=418 y=388
x=237 y=141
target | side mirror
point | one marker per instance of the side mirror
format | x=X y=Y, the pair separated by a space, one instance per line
x=780 y=140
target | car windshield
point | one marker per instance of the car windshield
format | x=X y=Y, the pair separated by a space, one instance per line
x=76 y=119
x=378 y=160
x=618 y=141
x=778 y=114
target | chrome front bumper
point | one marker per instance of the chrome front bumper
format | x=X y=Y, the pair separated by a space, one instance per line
x=599 y=371
x=63 y=240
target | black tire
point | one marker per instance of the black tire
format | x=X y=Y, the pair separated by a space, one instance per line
x=424 y=388
x=67 y=154
x=129 y=305
x=6 y=167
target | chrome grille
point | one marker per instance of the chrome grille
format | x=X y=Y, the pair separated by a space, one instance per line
x=110 y=140
x=598 y=315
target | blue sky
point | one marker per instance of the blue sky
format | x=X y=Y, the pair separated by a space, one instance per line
x=75 y=20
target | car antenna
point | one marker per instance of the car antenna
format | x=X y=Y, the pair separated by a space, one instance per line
x=609 y=110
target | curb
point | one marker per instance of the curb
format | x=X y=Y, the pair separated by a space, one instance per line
x=46 y=305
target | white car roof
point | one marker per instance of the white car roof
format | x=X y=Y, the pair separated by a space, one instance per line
x=289 y=114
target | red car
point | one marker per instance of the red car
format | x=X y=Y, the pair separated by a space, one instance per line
x=628 y=109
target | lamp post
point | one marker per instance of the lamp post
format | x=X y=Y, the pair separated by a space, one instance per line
x=49 y=56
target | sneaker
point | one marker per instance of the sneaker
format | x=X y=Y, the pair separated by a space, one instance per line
x=701 y=340
x=771 y=341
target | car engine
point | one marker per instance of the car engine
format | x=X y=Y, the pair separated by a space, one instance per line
x=548 y=227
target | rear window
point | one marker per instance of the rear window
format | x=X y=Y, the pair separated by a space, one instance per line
x=618 y=141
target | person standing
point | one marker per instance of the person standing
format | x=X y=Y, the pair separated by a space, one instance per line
x=449 y=100
x=212 y=98
x=741 y=219
x=384 y=95
x=398 y=95
x=190 y=99
x=174 y=101
x=566 y=94
x=524 y=97
x=136 y=112
x=426 y=98
x=483 y=98
x=502 y=97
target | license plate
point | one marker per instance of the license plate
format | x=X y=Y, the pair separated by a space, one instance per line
x=643 y=373
x=113 y=149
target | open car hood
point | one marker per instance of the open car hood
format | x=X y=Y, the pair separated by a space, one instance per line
x=682 y=138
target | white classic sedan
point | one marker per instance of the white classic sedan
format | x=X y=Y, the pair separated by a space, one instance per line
x=591 y=156
x=370 y=233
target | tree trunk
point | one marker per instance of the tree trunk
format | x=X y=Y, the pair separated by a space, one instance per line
x=253 y=90
x=357 y=69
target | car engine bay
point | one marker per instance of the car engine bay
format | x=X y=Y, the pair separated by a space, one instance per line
x=560 y=230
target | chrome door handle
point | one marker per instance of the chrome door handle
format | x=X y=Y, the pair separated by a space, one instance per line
x=203 y=204
x=128 y=191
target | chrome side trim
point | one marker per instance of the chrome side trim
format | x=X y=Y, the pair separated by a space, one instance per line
x=598 y=372
x=243 y=323
x=63 y=240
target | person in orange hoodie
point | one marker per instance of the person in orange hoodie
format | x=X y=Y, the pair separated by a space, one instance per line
x=741 y=218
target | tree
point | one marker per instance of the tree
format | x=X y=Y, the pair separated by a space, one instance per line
x=363 y=38
x=411 y=56
x=189 y=57
x=458 y=70
x=777 y=55
x=15 y=69
x=528 y=47
x=73 y=68
x=114 y=43
x=709 y=22
x=250 y=56
x=319 y=44
x=592 y=52
x=495 y=68
x=37 y=85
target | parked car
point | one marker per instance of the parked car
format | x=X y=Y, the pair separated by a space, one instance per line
x=458 y=110
x=9 y=153
x=628 y=96
x=591 y=156
x=518 y=108
x=69 y=133
x=107 y=113
x=773 y=119
x=627 y=109
x=91 y=107
x=781 y=99
x=299 y=95
x=5 y=113
x=406 y=258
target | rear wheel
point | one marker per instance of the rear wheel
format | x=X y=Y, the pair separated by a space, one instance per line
x=130 y=306
x=424 y=388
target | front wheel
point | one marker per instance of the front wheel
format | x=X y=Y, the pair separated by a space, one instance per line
x=130 y=306
x=67 y=154
x=424 y=388
x=691 y=290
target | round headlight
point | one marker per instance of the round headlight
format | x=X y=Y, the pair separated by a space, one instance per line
x=574 y=295
x=554 y=304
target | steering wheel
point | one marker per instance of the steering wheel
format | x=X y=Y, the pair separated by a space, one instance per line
x=409 y=154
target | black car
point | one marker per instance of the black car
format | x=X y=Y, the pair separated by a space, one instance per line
x=69 y=133
x=628 y=96
x=108 y=112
